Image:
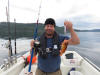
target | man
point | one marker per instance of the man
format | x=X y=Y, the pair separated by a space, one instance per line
x=49 y=52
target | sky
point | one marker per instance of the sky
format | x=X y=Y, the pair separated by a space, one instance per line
x=84 y=14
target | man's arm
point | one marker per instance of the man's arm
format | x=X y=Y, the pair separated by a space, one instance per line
x=74 y=40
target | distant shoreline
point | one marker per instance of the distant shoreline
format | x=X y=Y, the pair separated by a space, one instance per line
x=23 y=30
x=27 y=30
x=92 y=30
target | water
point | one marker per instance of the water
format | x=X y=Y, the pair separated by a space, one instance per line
x=89 y=46
x=22 y=44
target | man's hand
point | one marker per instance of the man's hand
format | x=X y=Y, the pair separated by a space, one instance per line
x=32 y=43
x=74 y=40
x=32 y=46
x=68 y=25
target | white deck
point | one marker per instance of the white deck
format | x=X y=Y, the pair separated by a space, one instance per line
x=82 y=67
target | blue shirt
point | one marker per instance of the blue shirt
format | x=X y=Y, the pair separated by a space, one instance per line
x=51 y=63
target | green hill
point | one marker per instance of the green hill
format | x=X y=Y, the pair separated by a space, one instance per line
x=23 y=30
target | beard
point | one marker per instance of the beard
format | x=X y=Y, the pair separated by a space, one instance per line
x=49 y=33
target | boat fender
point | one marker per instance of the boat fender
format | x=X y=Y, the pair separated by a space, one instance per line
x=34 y=59
x=27 y=60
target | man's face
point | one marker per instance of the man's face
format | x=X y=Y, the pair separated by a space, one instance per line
x=49 y=29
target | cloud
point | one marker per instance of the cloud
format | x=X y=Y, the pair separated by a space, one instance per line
x=81 y=22
x=81 y=12
x=85 y=22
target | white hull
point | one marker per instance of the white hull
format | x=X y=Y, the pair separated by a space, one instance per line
x=82 y=66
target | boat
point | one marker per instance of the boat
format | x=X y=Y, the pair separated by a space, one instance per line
x=71 y=64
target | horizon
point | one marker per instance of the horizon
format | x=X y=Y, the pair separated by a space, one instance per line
x=57 y=26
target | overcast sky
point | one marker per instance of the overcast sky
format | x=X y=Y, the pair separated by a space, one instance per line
x=83 y=13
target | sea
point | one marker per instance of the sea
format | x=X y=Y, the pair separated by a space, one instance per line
x=89 y=47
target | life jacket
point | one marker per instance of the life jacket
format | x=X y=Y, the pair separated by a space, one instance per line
x=43 y=50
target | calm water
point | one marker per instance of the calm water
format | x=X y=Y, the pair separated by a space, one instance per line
x=89 y=46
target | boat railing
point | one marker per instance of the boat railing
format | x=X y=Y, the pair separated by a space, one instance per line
x=85 y=58
x=96 y=67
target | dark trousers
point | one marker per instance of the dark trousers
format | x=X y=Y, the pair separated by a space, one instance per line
x=39 y=72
